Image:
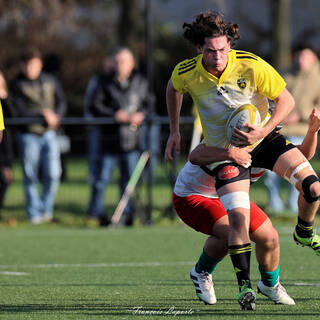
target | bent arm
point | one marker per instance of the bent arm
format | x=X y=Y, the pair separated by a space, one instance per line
x=204 y=155
x=284 y=104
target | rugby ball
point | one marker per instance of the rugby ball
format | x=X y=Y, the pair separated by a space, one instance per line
x=247 y=113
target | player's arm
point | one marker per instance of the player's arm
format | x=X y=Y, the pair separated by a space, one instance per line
x=174 y=102
x=284 y=104
x=204 y=155
x=309 y=143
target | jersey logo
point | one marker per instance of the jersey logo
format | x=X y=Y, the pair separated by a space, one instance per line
x=242 y=83
x=228 y=172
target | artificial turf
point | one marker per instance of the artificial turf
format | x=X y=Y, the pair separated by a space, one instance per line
x=52 y=272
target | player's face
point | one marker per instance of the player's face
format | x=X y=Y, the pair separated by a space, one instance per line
x=215 y=54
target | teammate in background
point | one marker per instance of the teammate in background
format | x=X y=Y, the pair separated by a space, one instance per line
x=197 y=204
x=220 y=80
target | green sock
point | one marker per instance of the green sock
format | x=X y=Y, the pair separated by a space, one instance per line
x=269 y=278
x=206 y=263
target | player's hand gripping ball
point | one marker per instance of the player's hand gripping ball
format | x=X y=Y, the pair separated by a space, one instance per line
x=247 y=113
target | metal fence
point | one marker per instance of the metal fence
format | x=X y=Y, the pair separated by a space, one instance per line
x=75 y=129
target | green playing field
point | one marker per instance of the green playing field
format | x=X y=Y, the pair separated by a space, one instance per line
x=51 y=272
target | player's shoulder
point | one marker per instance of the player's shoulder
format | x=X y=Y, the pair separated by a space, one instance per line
x=186 y=66
x=241 y=55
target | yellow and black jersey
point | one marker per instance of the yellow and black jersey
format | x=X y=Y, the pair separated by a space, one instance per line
x=246 y=79
x=1 y=119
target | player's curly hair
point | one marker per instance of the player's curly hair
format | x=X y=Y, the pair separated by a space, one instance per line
x=210 y=24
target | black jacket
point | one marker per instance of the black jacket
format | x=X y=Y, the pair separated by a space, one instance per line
x=30 y=97
x=109 y=97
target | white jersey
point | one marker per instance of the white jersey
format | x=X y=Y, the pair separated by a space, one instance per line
x=192 y=180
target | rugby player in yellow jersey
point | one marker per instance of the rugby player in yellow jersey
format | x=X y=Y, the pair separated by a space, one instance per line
x=220 y=80
x=1 y=123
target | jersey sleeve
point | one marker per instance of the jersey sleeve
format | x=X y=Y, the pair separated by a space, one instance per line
x=178 y=80
x=1 y=119
x=269 y=82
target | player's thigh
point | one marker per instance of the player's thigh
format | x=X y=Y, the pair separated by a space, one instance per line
x=257 y=218
x=202 y=214
x=232 y=183
x=267 y=153
x=261 y=228
x=294 y=167
x=231 y=177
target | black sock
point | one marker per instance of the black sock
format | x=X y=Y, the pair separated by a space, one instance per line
x=304 y=229
x=240 y=257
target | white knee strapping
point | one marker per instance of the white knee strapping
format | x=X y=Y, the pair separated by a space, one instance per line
x=239 y=199
x=301 y=166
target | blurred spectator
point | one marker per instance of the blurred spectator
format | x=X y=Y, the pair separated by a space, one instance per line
x=38 y=95
x=6 y=148
x=94 y=131
x=52 y=64
x=122 y=94
x=303 y=82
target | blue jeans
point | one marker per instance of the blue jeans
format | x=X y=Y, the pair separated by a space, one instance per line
x=40 y=151
x=93 y=150
x=273 y=184
x=151 y=140
x=102 y=173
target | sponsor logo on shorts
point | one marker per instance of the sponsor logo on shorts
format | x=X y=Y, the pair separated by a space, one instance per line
x=228 y=172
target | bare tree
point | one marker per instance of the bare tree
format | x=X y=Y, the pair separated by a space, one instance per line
x=281 y=33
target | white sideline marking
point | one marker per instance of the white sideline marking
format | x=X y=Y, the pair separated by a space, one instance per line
x=100 y=265
x=9 y=273
x=307 y=284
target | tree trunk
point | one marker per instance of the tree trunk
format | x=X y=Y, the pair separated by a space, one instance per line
x=281 y=39
x=129 y=21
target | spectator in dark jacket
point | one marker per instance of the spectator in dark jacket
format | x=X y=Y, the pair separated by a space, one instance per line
x=123 y=95
x=38 y=95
